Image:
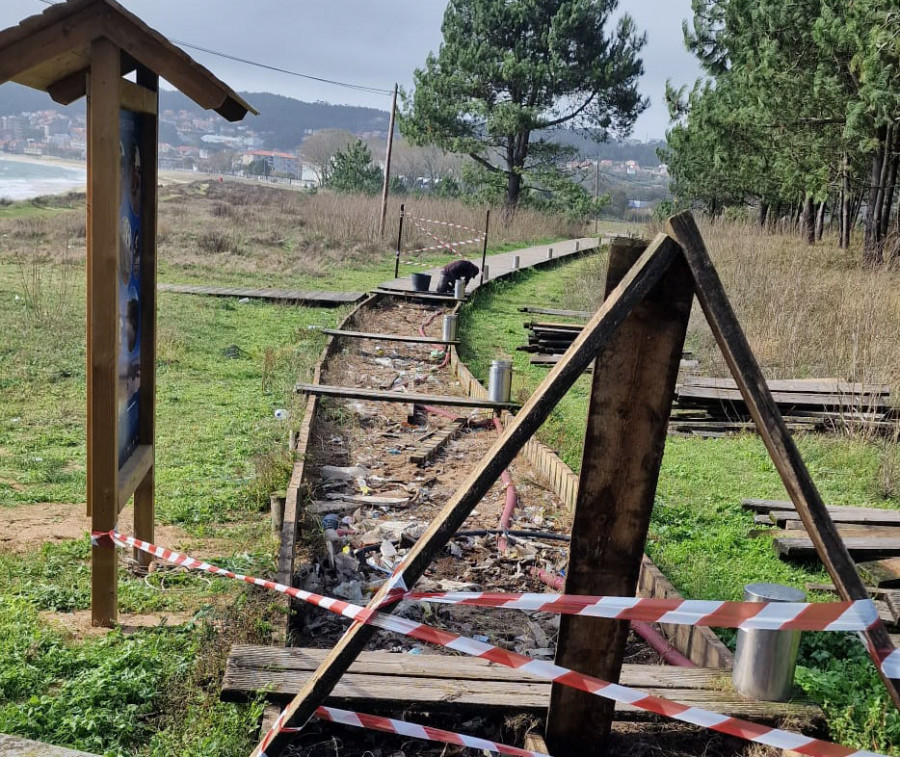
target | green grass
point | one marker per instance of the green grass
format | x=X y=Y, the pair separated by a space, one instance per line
x=698 y=535
x=223 y=368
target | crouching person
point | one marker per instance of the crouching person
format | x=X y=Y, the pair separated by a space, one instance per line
x=453 y=272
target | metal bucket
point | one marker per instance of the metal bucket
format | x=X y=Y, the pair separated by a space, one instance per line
x=421 y=282
x=500 y=381
x=459 y=289
x=764 y=661
x=515 y=262
x=486 y=272
x=450 y=326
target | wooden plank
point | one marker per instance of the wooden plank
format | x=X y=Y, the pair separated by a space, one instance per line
x=395 y=681
x=693 y=394
x=846 y=516
x=428 y=449
x=560 y=313
x=412 y=339
x=784 y=453
x=133 y=473
x=883 y=573
x=534 y=742
x=376 y=395
x=103 y=322
x=806 y=386
x=632 y=391
x=634 y=287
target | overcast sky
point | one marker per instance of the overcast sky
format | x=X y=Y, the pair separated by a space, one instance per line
x=363 y=42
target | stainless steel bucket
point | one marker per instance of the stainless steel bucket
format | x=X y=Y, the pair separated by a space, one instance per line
x=764 y=661
x=500 y=381
x=450 y=326
x=459 y=289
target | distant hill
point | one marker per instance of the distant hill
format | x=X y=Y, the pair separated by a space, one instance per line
x=643 y=153
x=14 y=98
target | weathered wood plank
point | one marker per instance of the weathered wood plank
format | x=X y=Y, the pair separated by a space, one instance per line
x=632 y=392
x=845 y=516
x=805 y=386
x=376 y=395
x=413 y=339
x=883 y=573
x=705 y=395
x=871 y=548
x=784 y=453
x=426 y=450
x=643 y=277
x=394 y=681
x=306 y=297
x=560 y=313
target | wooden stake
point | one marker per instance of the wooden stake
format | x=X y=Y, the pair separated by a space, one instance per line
x=387 y=163
x=103 y=320
x=774 y=432
x=634 y=287
x=631 y=397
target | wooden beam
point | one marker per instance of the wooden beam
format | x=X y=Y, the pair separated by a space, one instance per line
x=632 y=391
x=411 y=338
x=145 y=493
x=882 y=573
x=70 y=88
x=137 y=98
x=859 y=547
x=103 y=321
x=784 y=453
x=634 y=287
x=427 y=448
x=375 y=395
x=133 y=473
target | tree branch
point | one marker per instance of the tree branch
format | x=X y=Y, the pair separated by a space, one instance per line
x=570 y=116
x=486 y=163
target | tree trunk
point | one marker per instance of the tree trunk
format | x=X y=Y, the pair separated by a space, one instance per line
x=872 y=253
x=808 y=219
x=887 y=205
x=513 y=188
x=820 y=220
x=763 y=213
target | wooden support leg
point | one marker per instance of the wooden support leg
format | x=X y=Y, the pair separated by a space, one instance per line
x=103 y=320
x=635 y=286
x=631 y=398
x=774 y=431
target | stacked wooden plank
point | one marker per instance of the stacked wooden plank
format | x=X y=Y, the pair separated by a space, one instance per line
x=872 y=536
x=714 y=406
x=550 y=338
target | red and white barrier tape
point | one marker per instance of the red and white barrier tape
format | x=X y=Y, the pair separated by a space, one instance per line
x=731 y=726
x=413 y=730
x=442 y=223
x=769 y=616
x=445 y=246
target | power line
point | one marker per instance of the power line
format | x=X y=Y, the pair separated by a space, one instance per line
x=245 y=61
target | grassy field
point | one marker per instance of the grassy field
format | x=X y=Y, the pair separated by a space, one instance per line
x=698 y=534
x=223 y=368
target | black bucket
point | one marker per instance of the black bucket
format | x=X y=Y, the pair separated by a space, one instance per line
x=421 y=282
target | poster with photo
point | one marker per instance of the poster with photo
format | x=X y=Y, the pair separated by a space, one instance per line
x=129 y=284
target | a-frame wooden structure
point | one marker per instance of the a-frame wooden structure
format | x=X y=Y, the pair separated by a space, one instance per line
x=636 y=339
x=87 y=47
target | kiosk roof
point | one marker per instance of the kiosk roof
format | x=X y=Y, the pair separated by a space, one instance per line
x=51 y=52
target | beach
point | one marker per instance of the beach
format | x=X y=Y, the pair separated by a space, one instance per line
x=23 y=177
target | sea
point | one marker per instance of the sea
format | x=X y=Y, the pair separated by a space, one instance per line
x=22 y=180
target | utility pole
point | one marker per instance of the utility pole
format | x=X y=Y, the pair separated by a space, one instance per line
x=387 y=162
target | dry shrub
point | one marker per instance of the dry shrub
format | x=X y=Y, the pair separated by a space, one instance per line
x=807 y=311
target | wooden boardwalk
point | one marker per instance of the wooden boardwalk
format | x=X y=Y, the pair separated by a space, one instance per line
x=299 y=296
x=13 y=746
x=499 y=265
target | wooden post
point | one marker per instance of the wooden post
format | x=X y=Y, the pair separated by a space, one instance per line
x=634 y=287
x=633 y=387
x=103 y=320
x=775 y=435
x=387 y=163
x=399 y=242
x=487 y=225
x=144 y=494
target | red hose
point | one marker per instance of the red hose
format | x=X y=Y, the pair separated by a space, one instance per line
x=512 y=499
x=657 y=642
